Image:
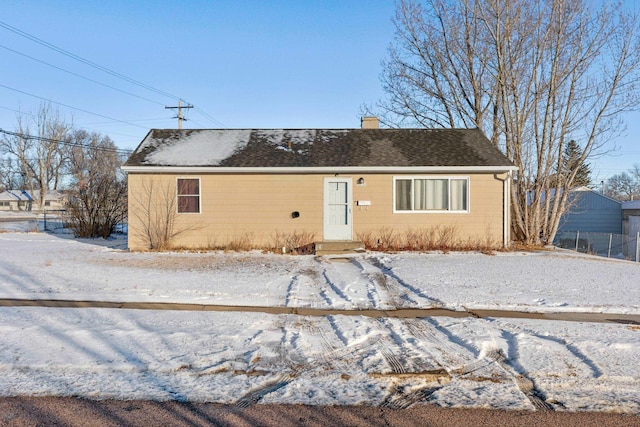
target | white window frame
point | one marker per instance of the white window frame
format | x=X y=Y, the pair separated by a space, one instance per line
x=449 y=178
x=199 y=196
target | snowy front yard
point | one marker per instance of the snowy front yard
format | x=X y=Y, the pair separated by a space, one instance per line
x=242 y=358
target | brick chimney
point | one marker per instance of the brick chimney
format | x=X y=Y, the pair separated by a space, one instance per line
x=369 y=122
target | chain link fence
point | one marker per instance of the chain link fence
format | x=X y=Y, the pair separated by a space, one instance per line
x=608 y=245
x=52 y=221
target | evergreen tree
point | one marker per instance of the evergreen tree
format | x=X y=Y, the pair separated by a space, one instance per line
x=571 y=162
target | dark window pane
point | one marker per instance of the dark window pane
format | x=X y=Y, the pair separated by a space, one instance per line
x=188 y=204
x=188 y=195
x=188 y=186
x=403 y=195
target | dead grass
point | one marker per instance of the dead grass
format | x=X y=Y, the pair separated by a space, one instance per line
x=297 y=242
x=422 y=239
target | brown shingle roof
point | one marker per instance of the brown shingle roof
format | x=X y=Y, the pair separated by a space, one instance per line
x=255 y=148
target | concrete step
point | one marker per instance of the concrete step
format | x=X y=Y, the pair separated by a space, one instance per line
x=338 y=247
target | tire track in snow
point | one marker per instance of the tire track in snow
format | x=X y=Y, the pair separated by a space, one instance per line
x=300 y=291
x=525 y=385
x=330 y=356
x=401 y=284
x=392 y=360
x=255 y=395
x=455 y=359
x=343 y=279
x=571 y=348
x=385 y=293
x=398 y=398
x=491 y=355
x=294 y=285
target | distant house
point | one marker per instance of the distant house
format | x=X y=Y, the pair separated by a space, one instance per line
x=591 y=211
x=16 y=200
x=54 y=200
x=334 y=184
x=22 y=200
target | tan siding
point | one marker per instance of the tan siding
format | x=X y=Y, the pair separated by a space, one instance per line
x=482 y=222
x=253 y=206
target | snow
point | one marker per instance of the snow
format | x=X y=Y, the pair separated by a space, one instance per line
x=201 y=148
x=209 y=147
x=244 y=357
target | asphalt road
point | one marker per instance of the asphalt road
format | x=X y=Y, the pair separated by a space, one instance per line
x=59 y=411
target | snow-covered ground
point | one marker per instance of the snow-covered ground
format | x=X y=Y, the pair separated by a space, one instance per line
x=243 y=358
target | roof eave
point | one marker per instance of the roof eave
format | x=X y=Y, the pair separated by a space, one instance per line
x=315 y=170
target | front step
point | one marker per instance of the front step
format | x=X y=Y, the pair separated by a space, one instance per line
x=338 y=248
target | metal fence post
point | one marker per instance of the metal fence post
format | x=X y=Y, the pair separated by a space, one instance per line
x=577 y=239
x=609 y=250
x=637 y=246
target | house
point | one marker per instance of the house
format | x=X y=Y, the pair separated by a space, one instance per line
x=224 y=185
x=54 y=200
x=22 y=200
x=591 y=211
x=16 y=200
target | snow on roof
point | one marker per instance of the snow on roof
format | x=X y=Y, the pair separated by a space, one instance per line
x=242 y=148
x=633 y=204
x=196 y=148
x=16 y=195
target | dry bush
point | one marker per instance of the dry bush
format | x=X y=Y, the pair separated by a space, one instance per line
x=240 y=242
x=367 y=238
x=388 y=239
x=446 y=237
x=297 y=242
x=437 y=238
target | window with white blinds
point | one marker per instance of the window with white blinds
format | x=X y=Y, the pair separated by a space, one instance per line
x=431 y=194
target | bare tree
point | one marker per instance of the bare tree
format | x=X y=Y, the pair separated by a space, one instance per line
x=11 y=175
x=37 y=146
x=624 y=186
x=532 y=75
x=155 y=212
x=98 y=196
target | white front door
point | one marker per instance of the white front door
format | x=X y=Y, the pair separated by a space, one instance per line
x=337 y=209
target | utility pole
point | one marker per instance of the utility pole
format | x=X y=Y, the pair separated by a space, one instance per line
x=179 y=116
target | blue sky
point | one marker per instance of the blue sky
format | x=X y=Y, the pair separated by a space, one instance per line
x=243 y=64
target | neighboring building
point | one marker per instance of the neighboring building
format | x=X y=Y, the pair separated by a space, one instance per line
x=631 y=218
x=334 y=184
x=591 y=211
x=16 y=200
x=54 y=200
x=22 y=200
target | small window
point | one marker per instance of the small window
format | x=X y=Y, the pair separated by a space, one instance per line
x=423 y=194
x=188 y=195
x=47 y=203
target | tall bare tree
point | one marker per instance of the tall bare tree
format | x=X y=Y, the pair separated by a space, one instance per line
x=533 y=75
x=37 y=146
x=98 y=196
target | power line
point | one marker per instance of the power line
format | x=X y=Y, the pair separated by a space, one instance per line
x=81 y=76
x=98 y=67
x=69 y=143
x=210 y=118
x=73 y=108
x=85 y=61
